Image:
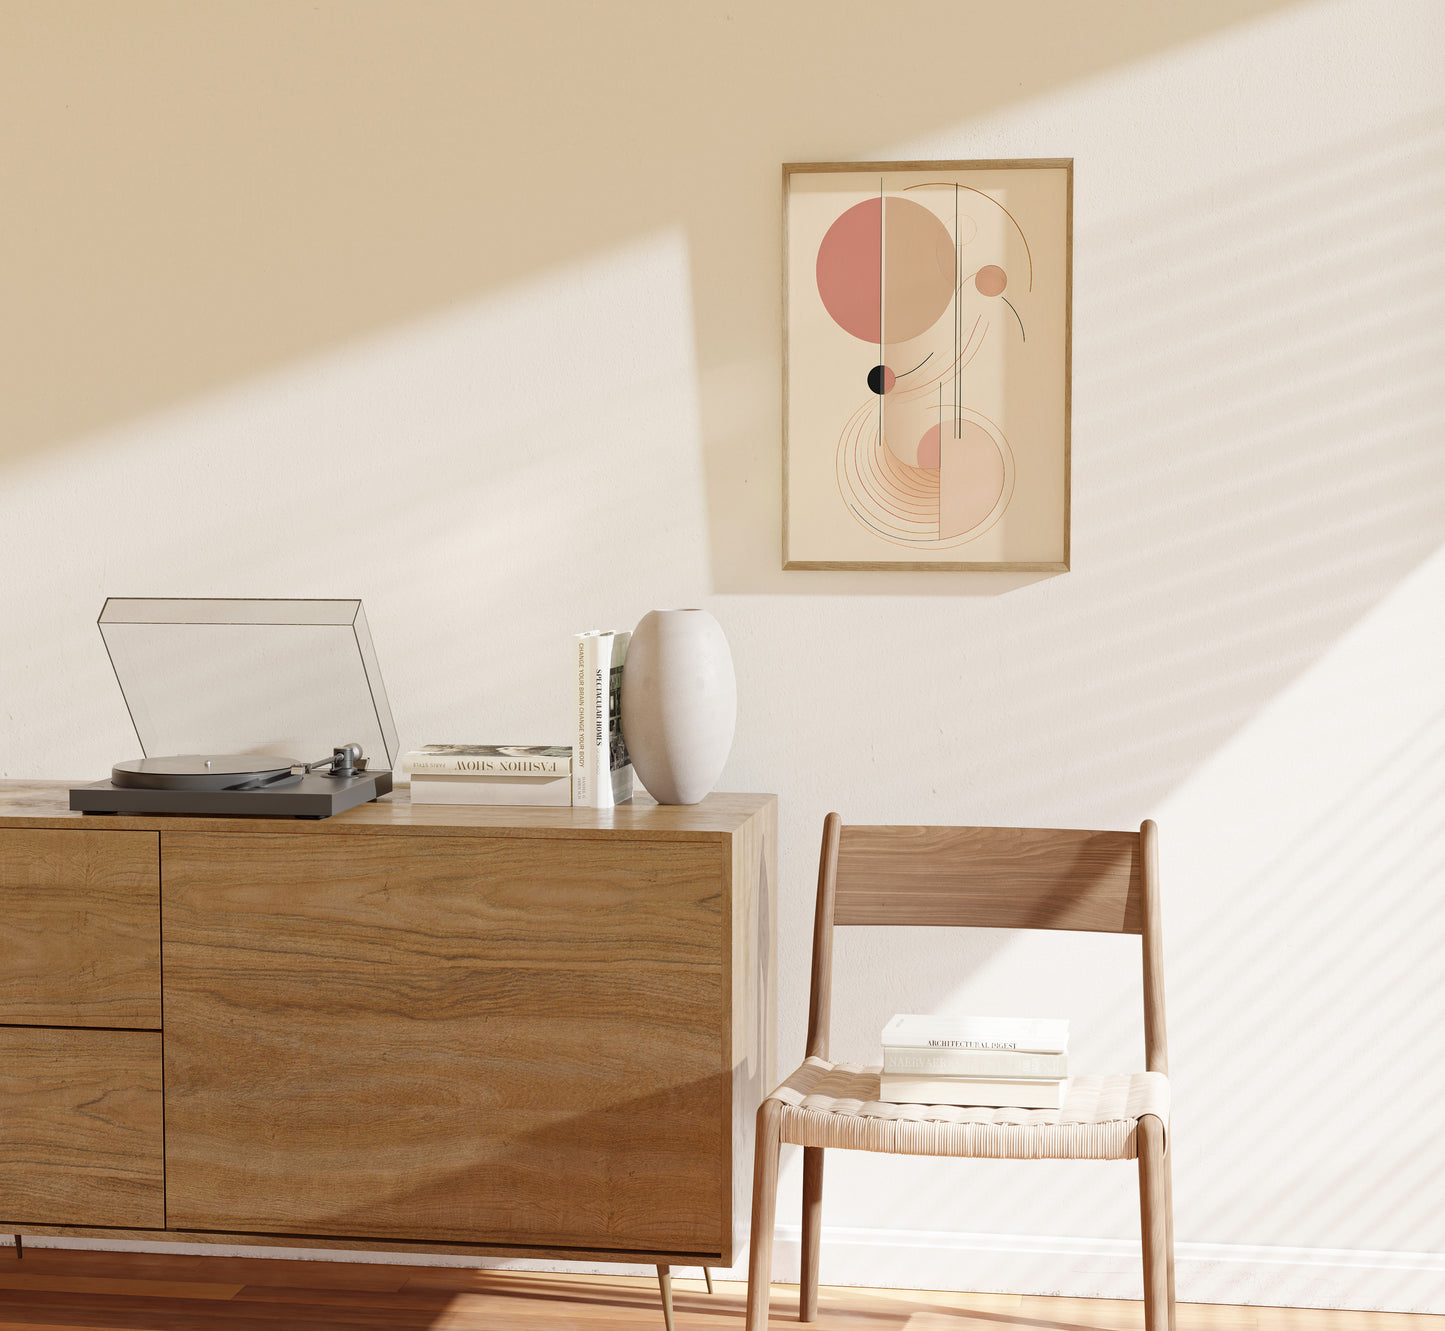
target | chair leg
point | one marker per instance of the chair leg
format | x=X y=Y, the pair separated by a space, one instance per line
x=664 y=1279
x=1169 y=1224
x=1155 y=1226
x=707 y=1275
x=812 y=1232
x=765 y=1205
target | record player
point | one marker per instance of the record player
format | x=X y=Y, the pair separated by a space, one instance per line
x=232 y=701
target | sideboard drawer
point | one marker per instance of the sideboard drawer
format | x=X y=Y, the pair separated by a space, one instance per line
x=80 y=928
x=80 y=1128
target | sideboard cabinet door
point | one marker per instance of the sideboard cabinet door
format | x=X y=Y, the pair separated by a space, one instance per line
x=80 y=936
x=80 y=1128
x=483 y=1039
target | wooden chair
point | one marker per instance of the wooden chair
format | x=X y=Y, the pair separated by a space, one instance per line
x=985 y=877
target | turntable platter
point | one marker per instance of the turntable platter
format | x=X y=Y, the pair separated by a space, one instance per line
x=205 y=771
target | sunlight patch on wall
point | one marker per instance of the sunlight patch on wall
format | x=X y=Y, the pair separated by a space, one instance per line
x=1304 y=926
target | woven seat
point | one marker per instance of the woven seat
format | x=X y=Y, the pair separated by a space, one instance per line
x=988 y=878
x=836 y=1104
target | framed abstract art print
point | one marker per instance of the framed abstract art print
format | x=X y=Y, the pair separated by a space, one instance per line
x=926 y=365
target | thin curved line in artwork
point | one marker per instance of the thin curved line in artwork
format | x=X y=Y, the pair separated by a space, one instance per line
x=895 y=487
x=914 y=528
x=953 y=184
x=923 y=526
x=961 y=363
x=1017 y=316
x=919 y=366
x=913 y=507
x=883 y=493
x=857 y=484
x=887 y=536
x=886 y=490
x=863 y=496
x=902 y=478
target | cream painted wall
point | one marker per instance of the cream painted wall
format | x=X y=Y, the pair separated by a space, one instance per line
x=501 y=288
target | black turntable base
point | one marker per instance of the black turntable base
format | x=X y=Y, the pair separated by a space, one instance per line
x=235 y=784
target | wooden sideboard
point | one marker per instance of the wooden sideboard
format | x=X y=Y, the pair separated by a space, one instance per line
x=507 y=1031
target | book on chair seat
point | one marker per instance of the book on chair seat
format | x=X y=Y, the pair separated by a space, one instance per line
x=1024 y=1035
x=991 y=1092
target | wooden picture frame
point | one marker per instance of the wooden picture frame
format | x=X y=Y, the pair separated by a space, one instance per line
x=957 y=277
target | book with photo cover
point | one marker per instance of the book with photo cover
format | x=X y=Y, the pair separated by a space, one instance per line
x=601 y=769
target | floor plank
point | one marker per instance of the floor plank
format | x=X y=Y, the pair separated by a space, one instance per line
x=54 y=1289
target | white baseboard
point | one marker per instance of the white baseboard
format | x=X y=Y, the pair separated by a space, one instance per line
x=1225 y=1273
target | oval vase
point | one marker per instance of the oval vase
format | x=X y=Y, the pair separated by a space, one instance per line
x=679 y=703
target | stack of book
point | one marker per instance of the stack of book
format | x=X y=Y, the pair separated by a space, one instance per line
x=1019 y=1062
x=490 y=774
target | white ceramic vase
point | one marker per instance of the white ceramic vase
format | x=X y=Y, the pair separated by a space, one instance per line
x=679 y=703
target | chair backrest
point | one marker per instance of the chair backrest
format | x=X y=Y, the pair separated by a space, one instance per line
x=990 y=877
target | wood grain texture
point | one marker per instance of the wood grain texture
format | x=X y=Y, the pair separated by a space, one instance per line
x=719 y=816
x=690 y=1257
x=80 y=1128
x=79 y=928
x=1156 y=1043
x=990 y=877
x=752 y=924
x=765 y=1211
x=820 y=985
x=514 y=1041
x=812 y=1233
x=347 y=1296
x=1155 y=1228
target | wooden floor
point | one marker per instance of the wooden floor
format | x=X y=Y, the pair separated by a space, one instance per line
x=55 y=1289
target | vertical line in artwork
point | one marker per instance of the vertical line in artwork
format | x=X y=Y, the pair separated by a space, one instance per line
x=880 y=305
x=957 y=317
x=940 y=458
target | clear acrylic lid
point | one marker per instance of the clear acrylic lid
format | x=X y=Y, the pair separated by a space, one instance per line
x=294 y=678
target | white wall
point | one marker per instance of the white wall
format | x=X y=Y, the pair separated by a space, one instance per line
x=502 y=289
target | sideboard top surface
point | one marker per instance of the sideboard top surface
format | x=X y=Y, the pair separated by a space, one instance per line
x=718 y=816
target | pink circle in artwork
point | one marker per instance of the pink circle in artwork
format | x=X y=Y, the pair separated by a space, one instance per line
x=991 y=280
x=928 y=449
x=971 y=473
x=886 y=273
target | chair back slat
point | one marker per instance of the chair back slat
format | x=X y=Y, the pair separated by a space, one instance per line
x=993 y=877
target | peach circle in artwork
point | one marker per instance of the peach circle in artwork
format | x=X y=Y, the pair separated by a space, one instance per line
x=885 y=270
x=971 y=473
x=991 y=280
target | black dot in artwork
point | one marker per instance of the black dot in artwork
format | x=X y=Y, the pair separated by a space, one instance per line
x=876 y=379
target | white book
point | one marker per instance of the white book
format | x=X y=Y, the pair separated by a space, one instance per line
x=601 y=769
x=551 y=789
x=973 y=1063
x=990 y=1092
x=1026 y=1035
x=489 y=759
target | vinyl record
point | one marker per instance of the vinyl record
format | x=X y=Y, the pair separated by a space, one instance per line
x=205 y=771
